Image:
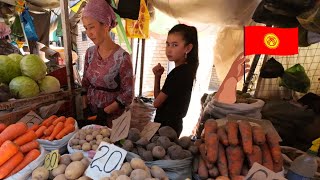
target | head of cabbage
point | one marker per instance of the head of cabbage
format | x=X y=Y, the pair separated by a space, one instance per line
x=33 y=66
x=9 y=69
x=23 y=87
x=49 y=84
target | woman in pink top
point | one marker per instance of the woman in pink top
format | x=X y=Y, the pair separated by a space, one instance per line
x=108 y=76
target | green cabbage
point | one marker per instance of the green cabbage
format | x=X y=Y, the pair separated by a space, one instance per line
x=8 y=69
x=49 y=84
x=33 y=67
x=23 y=87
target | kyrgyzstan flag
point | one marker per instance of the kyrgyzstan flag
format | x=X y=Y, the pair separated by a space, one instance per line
x=271 y=41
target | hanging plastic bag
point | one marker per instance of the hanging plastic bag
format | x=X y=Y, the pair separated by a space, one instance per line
x=141 y=113
x=128 y=9
x=139 y=28
x=310 y=20
x=29 y=26
x=289 y=7
x=271 y=69
x=295 y=78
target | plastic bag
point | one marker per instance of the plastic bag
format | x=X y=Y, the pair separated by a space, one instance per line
x=139 y=28
x=289 y=7
x=26 y=172
x=310 y=20
x=128 y=9
x=141 y=113
x=295 y=78
x=60 y=144
x=271 y=69
x=175 y=169
x=29 y=26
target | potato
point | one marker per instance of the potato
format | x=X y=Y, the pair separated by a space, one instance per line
x=93 y=142
x=158 y=152
x=85 y=161
x=186 y=154
x=142 y=142
x=184 y=142
x=77 y=156
x=147 y=156
x=167 y=157
x=74 y=142
x=76 y=147
x=127 y=145
x=88 y=131
x=84 y=178
x=105 y=178
x=75 y=170
x=164 y=142
x=105 y=132
x=65 y=159
x=138 y=174
x=94 y=147
x=40 y=173
x=137 y=163
x=158 y=172
x=106 y=139
x=82 y=136
x=154 y=139
x=193 y=149
x=98 y=142
x=168 y=132
x=151 y=179
x=134 y=134
x=116 y=173
x=123 y=177
x=95 y=133
x=126 y=168
x=82 y=141
x=86 y=147
x=150 y=146
x=59 y=170
x=77 y=136
x=222 y=178
x=89 y=137
x=99 y=137
x=60 y=177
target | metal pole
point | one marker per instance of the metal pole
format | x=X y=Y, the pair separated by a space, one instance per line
x=251 y=72
x=142 y=66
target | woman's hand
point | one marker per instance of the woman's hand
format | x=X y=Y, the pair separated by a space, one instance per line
x=158 y=70
x=237 y=68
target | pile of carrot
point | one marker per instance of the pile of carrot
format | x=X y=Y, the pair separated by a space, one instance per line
x=18 y=148
x=231 y=150
x=54 y=127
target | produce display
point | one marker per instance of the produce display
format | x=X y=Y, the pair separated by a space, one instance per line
x=71 y=166
x=25 y=76
x=89 y=138
x=136 y=169
x=231 y=150
x=18 y=148
x=54 y=127
x=164 y=145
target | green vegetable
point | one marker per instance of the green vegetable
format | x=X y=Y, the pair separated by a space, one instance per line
x=8 y=69
x=49 y=84
x=23 y=87
x=33 y=67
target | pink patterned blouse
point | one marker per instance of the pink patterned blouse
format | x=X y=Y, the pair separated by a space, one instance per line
x=108 y=80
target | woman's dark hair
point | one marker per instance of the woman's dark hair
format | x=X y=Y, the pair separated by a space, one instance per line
x=190 y=36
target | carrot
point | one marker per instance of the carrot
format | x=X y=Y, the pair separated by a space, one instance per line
x=7 y=167
x=222 y=161
x=255 y=156
x=246 y=136
x=92 y=118
x=232 y=132
x=66 y=130
x=30 y=156
x=48 y=131
x=210 y=126
x=29 y=146
x=266 y=157
x=59 y=119
x=2 y=127
x=69 y=120
x=274 y=147
x=235 y=158
x=47 y=122
x=25 y=138
x=223 y=136
x=277 y=167
x=195 y=164
x=40 y=131
x=202 y=150
x=238 y=178
x=213 y=172
x=202 y=171
x=7 y=150
x=212 y=145
x=34 y=127
x=56 y=131
x=13 y=131
x=198 y=142
x=259 y=136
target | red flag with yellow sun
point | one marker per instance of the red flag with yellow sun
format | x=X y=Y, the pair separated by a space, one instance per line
x=271 y=41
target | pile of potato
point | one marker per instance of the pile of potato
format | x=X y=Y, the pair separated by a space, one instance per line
x=165 y=145
x=89 y=138
x=71 y=166
x=137 y=170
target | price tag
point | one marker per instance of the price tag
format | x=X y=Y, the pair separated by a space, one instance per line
x=31 y=118
x=120 y=127
x=150 y=129
x=258 y=172
x=51 y=160
x=108 y=158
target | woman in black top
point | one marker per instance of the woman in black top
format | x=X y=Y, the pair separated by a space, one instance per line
x=173 y=100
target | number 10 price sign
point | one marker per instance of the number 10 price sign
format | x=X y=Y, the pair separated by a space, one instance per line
x=107 y=159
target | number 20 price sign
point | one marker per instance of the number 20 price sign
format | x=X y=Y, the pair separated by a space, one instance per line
x=108 y=158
